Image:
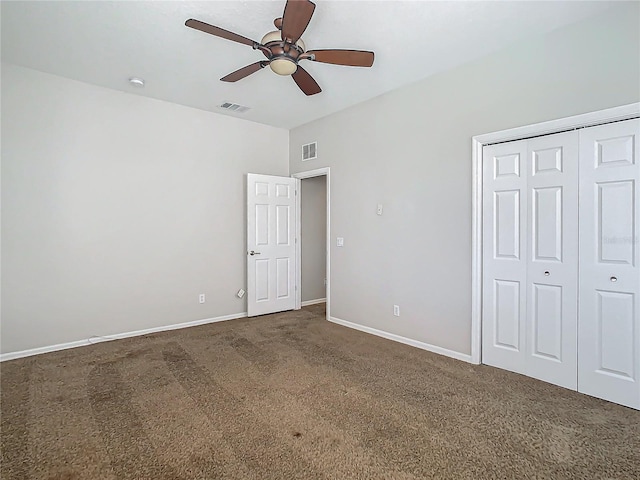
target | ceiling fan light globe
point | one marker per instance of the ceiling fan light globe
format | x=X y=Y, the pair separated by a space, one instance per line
x=283 y=66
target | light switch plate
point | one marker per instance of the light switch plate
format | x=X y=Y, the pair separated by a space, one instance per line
x=379 y=211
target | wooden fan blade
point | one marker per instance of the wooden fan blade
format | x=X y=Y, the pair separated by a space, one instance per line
x=219 y=32
x=244 y=72
x=353 y=58
x=306 y=82
x=296 y=17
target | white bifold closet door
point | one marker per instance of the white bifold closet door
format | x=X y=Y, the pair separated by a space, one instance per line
x=530 y=262
x=609 y=326
x=561 y=246
x=504 y=259
x=552 y=263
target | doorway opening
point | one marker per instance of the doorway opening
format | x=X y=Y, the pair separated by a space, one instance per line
x=313 y=238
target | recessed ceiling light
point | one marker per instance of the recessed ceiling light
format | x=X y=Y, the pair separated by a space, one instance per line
x=136 y=82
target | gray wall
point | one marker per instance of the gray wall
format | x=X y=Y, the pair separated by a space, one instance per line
x=118 y=210
x=411 y=151
x=313 y=205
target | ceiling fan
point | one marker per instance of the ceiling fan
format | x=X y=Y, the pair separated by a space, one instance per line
x=284 y=48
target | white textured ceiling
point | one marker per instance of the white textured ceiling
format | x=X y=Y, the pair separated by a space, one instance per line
x=106 y=42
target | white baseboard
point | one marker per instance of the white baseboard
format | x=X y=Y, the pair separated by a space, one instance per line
x=99 y=339
x=397 y=338
x=37 y=351
x=312 y=302
x=93 y=340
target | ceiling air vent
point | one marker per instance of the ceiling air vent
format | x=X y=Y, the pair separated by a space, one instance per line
x=234 y=107
x=309 y=151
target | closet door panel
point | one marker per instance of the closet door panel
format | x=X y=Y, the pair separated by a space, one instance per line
x=609 y=328
x=504 y=261
x=552 y=259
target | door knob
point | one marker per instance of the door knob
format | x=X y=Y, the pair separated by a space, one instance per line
x=252 y=253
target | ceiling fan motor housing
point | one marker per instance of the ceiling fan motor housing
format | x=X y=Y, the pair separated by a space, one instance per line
x=284 y=55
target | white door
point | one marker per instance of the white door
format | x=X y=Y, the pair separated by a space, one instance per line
x=270 y=244
x=552 y=259
x=530 y=260
x=504 y=258
x=609 y=328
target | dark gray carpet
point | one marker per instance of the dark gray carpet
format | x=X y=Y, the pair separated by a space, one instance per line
x=291 y=396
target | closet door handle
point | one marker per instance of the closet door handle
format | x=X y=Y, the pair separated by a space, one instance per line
x=614 y=279
x=547 y=273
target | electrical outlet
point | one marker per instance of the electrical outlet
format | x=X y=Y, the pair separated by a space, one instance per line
x=339 y=241
x=396 y=310
x=379 y=210
x=201 y=298
x=240 y=293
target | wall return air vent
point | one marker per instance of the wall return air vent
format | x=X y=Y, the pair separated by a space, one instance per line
x=309 y=151
x=233 y=107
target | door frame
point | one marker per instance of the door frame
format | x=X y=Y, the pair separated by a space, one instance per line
x=624 y=112
x=318 y=172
